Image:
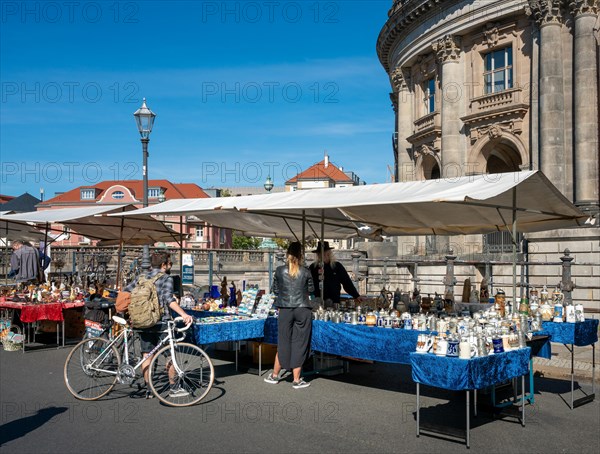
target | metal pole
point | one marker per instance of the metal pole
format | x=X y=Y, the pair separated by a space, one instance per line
x=210 y=269
x=270 y=270
x=181 y=257
x=514 y=250
x=146 y=255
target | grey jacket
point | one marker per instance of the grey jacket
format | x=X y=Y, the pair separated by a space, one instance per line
x=292 y=292
x=26 y=263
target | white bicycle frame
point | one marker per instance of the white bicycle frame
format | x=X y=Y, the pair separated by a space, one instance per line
x=126 y=334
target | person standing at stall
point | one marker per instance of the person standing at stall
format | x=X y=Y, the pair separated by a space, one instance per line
x=292 y=286
x=335 y=274
x=24 y=263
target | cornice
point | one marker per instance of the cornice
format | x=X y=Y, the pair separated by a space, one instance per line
x=401 y=16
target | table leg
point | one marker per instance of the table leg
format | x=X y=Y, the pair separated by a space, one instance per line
x=593 y=368
x=418 y=408
x=572 y=373
x=475 y=401
x=523 y=400
x=468 y=421
x=63 y=332
x=57 y=335
x=260 y=359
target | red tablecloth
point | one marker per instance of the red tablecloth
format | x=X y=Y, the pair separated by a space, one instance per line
x=35 y=312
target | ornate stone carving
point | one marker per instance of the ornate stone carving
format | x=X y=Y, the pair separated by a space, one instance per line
x=584 y=7
x=495 y=131
x=426 y=149
x=545 y=12
x=447 y=49
x=400 y=79
x=491 y=34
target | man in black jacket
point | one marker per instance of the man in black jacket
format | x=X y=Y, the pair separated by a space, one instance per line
x=336 y=277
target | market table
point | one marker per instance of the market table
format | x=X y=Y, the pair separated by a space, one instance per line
x=469 y=375
x=580 y=334
x=31 y=313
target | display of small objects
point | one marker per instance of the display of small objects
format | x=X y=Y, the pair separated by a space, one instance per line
x=265 y=305
x=246 y=306
x=221 y=319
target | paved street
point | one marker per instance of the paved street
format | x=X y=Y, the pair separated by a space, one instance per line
x=371 y=409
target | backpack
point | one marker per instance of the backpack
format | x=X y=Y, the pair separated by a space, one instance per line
x=144 y=309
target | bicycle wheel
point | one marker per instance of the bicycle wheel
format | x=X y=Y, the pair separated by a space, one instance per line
x=91 y=369
x=188 y=387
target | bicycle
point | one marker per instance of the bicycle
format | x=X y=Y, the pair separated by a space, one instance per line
x=95 y=365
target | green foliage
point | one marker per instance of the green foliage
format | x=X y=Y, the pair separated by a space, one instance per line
x=245 y=242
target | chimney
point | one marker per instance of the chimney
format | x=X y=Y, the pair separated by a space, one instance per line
x=326 y=160
x=42 y=194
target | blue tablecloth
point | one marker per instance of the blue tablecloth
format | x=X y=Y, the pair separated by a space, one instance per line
x=462 y=374
x=208 y=333
x=360 y=341
x=579 y=334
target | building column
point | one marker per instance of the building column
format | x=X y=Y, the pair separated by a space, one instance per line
x=548 y=16
x=405 y=167
x=586 y=100
x=448 y=51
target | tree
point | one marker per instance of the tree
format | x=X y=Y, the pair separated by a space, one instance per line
x=245 y=242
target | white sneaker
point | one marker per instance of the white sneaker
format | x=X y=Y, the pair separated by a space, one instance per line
x=300 y=384
x=272 y=380
x=178 y=392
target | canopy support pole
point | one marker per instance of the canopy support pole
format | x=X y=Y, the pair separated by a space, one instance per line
x=119 y=258
x=303 y=230
x=181 y=257
x=322 y=260
x=514 y=250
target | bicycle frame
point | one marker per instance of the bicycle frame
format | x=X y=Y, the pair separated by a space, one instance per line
x=125 y=335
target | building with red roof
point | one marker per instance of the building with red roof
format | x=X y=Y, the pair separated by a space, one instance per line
x=115 y=192
x=323 y=174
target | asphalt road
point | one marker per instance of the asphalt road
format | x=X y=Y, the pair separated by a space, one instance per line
x=371 y=409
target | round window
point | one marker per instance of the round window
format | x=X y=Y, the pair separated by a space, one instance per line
x=118 y=195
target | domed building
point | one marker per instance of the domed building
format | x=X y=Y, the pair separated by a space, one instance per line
x=500 y=86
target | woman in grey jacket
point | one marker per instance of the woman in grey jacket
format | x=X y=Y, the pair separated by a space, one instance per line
x=292 y=285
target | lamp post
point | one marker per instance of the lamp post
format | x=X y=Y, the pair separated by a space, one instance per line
x=268 y=184
x=144 y=118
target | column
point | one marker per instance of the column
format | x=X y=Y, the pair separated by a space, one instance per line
x=548 y=16
x=448 y=51
x=405 y=170
x=585 y=13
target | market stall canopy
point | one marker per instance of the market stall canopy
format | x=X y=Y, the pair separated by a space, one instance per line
x=241 y=214
x=463 y=205
x=94 y=223
x=16 y=231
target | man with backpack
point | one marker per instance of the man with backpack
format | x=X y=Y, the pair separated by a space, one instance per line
x=152 y=300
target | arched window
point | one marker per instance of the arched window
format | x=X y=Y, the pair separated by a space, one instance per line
x=118 y=195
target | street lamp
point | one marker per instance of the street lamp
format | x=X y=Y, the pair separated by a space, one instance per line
x=144 y=118
x=268 y=184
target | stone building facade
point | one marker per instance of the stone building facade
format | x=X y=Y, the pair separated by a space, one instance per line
x=500 y=86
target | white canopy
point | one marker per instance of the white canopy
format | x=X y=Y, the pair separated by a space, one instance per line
x=243 y=214
x=93 y=222
x=464 y=205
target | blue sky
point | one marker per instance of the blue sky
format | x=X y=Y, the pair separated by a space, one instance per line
x=241 y=90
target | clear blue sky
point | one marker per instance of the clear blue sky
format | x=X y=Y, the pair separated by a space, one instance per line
x=241 y=89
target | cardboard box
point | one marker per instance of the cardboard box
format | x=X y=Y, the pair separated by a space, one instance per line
x=268 y=353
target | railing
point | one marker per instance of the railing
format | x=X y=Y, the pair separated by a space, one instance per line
x=493 y=101
x=428 y=122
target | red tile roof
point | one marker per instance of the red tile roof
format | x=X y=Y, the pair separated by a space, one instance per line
x=172 y=191
x=5 y=198
x=318 y=171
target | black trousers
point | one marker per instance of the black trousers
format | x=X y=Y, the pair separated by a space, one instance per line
x=294 y=331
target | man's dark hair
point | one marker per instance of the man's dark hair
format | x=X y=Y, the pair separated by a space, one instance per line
x=158 y=258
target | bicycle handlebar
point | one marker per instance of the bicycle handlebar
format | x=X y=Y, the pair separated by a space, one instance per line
x=180 y=330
